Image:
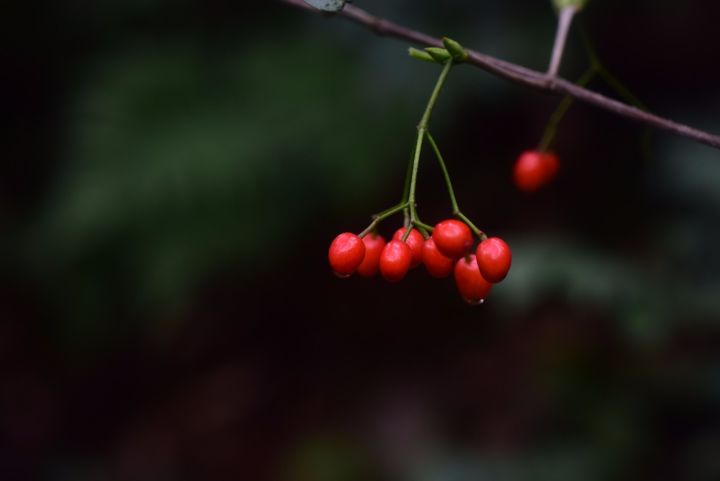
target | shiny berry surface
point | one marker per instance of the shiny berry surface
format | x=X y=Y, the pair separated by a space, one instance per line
x=437 y=264
x=346 y=254
x=534 y=169
x=470 y=283
x=494 y=258
x=415 y=241
x=374 y=245
x=395 y=260
x=452 y=238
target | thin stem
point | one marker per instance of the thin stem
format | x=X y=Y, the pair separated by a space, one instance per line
x=565 y=18
x=413 y=177
x=589 y=47
x=406 y=189
x=446 y=174
x=406 y=234
x=561 y=110
x=421 y=129
x=377 y=218
x=522 y=75
x=605 y=74
x=472 y=226
x=408 y=174
x=620 y=88
x=390 y=211
x=456 y=209
x=434 y=96
x=421 y=225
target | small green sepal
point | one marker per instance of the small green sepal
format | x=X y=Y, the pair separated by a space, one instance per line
x=578 y=4
x=459 y=54
x=439 y=54
x=420 y=55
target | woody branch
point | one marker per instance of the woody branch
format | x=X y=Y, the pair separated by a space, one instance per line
x=524 y=76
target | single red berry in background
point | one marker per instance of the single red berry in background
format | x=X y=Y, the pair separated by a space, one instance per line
x=452 y=238
x=552 y=165
x=494 y=258
x=436 y=263
x=346 y=254
x=395 y=260
x=415 y=241
x=470 y=283
x=533 y=169
x=529 y=171
x=374 y=244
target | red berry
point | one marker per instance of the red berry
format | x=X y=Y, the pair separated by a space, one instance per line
x=346 y=254
x=533 y=169
x=395 y=260
x=494 y=259
x=552 y=164
x=471 y=284
x=374 y=244
x=452 y=238
x=415 y=241
x=435 y=262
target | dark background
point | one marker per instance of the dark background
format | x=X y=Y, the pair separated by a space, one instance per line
x=173 y=173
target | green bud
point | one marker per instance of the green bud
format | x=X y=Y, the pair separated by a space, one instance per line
x=420 y=55
x=456 y=50
x=439 y=54
x=578 y=4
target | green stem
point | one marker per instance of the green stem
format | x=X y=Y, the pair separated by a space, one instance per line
x=455 y=207
x=423 y=226
x=446 y=175
x=620 y=88
x=422 y=128
x=606 y=75
x=406 y=234
x=406 y=190
x=377 y=218
x=562 y=109
x=408 y=173
x=589 y=47
x=390 y=211
x=472 y=226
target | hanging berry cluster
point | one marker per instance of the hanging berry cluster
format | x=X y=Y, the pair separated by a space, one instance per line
x=453 y=246
x=448 y=250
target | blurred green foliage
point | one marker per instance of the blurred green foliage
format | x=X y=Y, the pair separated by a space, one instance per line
x=188 y=156
x=182 y=161
x=204 y=147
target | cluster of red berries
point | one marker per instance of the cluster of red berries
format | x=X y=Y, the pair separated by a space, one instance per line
x=448 y=250
x=533 y=169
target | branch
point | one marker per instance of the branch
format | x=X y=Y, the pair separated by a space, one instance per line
x=523 y=76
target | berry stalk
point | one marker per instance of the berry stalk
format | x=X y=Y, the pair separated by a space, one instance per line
x=451 y=191
x=562 y=109
x=422 y=129
x=377 y=218
x=446 y=174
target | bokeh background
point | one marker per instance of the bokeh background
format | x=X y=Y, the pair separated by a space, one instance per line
x=173 y=173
